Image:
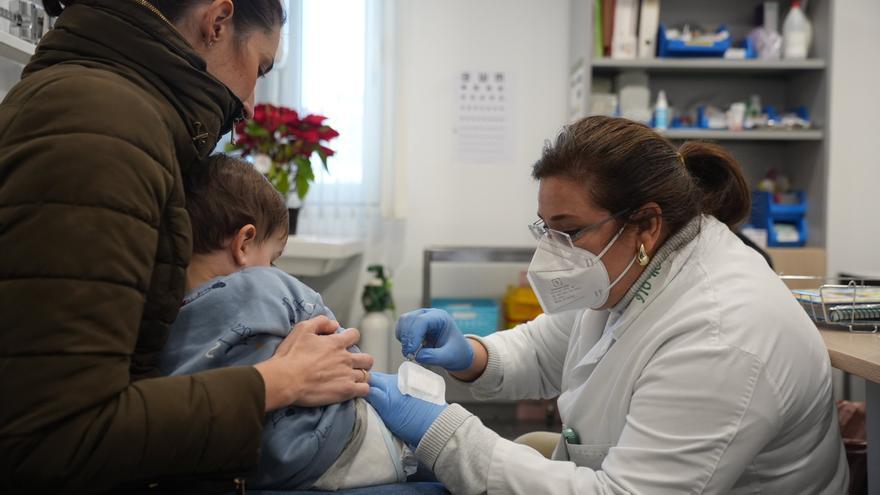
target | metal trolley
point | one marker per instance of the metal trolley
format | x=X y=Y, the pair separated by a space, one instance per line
x=852 y=305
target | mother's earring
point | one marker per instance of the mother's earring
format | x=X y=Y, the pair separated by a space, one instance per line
x=643 y=257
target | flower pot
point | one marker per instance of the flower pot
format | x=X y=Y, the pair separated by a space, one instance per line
x=292 y=216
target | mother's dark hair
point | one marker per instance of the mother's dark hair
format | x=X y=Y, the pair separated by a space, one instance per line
x=249 y=14
x=626 y=165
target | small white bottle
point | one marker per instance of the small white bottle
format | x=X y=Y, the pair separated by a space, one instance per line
x=797 y=33
x=661 y=112
x=377 y=333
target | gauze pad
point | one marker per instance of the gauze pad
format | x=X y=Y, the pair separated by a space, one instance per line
x=420 y=383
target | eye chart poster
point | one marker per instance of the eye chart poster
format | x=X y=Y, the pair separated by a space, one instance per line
x=483 y=117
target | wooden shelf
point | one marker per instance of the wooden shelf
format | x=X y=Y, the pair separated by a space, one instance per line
x=756 y=135
x=15 y=49
x=708 y=65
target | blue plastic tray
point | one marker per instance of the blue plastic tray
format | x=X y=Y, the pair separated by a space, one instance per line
x=766 y=213
x=678 y=48
x=475 y=316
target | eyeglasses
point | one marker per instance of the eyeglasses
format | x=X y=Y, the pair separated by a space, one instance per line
x=567 y=238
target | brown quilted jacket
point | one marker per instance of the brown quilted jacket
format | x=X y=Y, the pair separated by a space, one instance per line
x=112 y=111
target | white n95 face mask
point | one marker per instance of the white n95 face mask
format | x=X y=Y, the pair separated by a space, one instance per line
x=568 y=278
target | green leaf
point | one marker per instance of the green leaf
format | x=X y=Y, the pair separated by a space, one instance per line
x=279 y=178
x=231 y=147
x=304 y=168
x=302 y=186
x=323 y=156
x=254 y=129
x=283 y=185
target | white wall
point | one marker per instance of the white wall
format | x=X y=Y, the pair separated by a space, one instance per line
x=854 y=176
x=451 y=203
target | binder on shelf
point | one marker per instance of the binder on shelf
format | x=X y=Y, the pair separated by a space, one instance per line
x=624 y=40
x=598 y=36
x=607 y=25
x=649 y=23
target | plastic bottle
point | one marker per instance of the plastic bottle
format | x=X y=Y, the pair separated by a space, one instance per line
x=661 y=112
x=797 y=33
x=376 y=335
x=377 y=325
x=753 y=113
x=767 y=39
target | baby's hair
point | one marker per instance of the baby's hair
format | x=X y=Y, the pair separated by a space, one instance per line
x=223 y=194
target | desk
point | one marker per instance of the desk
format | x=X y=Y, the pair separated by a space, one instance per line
x=859 y=354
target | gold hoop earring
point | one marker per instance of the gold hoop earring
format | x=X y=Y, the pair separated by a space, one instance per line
x=643 y=257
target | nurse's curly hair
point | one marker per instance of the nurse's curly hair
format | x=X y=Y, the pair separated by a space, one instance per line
x=625 y=165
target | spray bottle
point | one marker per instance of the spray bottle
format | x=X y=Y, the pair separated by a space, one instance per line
x=661 y=112
x=376 y=326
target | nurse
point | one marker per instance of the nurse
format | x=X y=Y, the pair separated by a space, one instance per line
x=680 y=361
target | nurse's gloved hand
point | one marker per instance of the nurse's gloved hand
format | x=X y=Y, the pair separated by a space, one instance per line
x=441 y=342
x=407 y=417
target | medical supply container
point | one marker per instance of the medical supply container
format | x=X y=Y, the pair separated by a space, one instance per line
x=520 y=305
x=781 y=217
x=475 y=316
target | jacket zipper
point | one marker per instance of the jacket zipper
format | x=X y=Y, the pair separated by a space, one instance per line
x=201 y=138
x=154 y=10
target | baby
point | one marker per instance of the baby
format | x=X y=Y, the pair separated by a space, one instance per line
x=236 y=311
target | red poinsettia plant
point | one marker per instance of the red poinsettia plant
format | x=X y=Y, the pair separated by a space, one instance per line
x=282 y=145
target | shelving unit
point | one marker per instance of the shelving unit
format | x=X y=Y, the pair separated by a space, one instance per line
x=708 y=65
x=752 y=135
x=800 y=154
x=15 y=49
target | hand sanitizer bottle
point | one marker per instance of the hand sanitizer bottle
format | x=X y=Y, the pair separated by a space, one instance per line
x=661 y=112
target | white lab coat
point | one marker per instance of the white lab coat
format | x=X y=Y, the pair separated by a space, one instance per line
x=713 y=380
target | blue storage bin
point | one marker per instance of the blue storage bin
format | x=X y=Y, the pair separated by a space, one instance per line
x=475 y=316
x=678 y=48
x=766 y=213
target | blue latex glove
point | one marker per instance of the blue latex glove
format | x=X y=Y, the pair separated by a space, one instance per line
x=442 y=343
x=407 y=417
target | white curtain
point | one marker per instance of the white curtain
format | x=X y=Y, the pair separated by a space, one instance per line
x=335 y=62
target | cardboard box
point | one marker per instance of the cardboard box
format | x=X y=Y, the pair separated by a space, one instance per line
x=808 y=261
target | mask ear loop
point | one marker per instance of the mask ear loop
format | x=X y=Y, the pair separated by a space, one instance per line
x=631 y=262
x=619 y=277
x=611 y=242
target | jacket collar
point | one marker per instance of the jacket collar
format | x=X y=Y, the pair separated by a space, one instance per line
x=127 y=34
